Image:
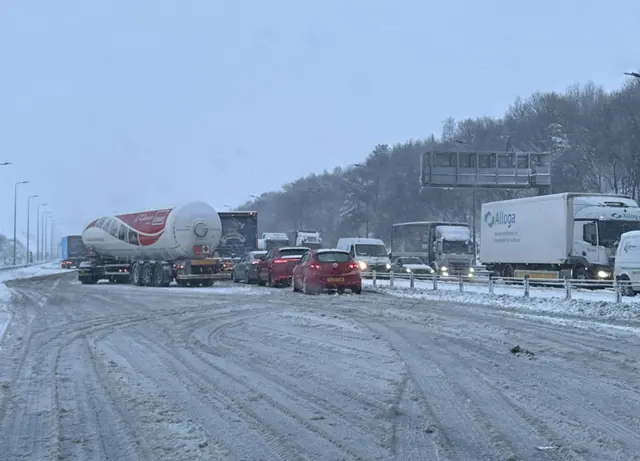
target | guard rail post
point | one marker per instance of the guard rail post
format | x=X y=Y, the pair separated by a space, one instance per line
x=491 y=283
x=412 y=280
x=435 y=281
x=391 y=279
x=526 y=286
x=460 y=283
x=373 y=277
x=567 y=288
x=618 y=289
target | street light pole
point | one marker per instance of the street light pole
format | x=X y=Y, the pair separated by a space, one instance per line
x=38 y=232
x=42 y=234
x=15 y=216
x=44 y=237
x=28 y=223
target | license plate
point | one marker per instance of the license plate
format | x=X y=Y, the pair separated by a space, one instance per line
x=335 y=279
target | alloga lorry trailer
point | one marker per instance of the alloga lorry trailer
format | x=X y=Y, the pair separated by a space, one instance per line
x=570 y=235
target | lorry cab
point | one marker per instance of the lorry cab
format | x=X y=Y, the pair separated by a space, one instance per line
x=453 y=250
x=627 y=263
x=370 y=254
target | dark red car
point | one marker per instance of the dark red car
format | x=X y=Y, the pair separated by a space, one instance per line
x=327 y=269
x=277 y=266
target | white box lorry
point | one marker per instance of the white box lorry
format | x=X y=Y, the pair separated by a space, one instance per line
x=571 y=235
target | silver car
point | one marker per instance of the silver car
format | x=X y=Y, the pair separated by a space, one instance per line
x=245 y=269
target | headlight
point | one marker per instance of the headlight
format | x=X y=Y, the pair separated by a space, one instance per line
x=472 y=270
x=603 y=274
x=445 y=274
x=362 y=265
x=388 y=266
x=407 y=270
x=443 y=268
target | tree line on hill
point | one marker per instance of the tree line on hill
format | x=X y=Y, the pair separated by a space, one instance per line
x=593 y=136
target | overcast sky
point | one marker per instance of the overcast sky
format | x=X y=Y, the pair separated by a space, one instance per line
x=116 y=106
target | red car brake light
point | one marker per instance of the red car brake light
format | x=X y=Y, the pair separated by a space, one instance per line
x=353 y=266
x=279 y=261
x=314 y=266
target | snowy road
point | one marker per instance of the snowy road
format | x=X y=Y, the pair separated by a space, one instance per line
x=233 y=373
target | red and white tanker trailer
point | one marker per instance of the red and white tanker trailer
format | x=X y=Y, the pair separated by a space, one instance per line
x=155 y=247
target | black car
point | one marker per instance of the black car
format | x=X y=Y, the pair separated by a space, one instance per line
x=245 y=269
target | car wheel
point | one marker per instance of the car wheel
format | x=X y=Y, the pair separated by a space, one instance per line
x=357 y=290
x=306 y=289
x=341 y=290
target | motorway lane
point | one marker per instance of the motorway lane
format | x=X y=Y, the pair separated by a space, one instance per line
x=233 y=373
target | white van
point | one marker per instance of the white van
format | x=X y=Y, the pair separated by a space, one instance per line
x=626 y=269
x=371 y=254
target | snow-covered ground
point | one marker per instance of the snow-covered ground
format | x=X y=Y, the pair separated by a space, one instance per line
x=13 y=274
x=131 y=373
x=583 y=303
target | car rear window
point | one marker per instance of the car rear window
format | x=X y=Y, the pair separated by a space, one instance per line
x=332 y=257
x=295 y=252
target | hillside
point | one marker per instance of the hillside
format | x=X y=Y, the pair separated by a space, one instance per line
x=6 y=252
x=593 y=134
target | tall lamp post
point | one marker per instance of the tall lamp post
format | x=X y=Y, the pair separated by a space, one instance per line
x=47 y=219
x=44 y=216
x=38 y=232
x=15 y=216
x=28 y=223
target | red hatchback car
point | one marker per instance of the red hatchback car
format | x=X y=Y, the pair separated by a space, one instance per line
x=327 y=269
x=276 y=267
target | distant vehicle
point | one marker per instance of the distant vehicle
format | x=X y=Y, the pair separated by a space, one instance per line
x=370 y=254
x=272 y=240
x=306 y=238
x=226 y=264
x=72 y=251
x=327 y=269
x=572 y=235
x=246 y=269
x=277 y=266
x=411 y=264
x=239 y=233
x=446 y=246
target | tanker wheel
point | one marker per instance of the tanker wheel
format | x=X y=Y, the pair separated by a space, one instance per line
x=147 y=274
x=181 y=283
x=136 y=274
x=158 y=275
x=207 y=283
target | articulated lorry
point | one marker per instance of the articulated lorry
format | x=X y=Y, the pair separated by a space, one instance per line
x=72 y=251
x=569 y=235
x=446 y=246
x=271 y=240
x=306 y=238
x=154 y=248
x=239 y=233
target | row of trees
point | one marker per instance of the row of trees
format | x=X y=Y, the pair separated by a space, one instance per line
x=593 y=134
x=6 y=252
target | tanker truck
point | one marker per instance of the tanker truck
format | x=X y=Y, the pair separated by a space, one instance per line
x=154 y=248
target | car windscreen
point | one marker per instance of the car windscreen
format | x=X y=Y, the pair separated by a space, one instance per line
x=370 y=250
x=332 y=257
x=293 y=252
x=412 y=261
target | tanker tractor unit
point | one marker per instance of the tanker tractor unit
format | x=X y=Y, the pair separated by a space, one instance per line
x=557 y=236
x=154 y=248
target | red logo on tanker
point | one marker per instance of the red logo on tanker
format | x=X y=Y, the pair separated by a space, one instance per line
x=147 y=222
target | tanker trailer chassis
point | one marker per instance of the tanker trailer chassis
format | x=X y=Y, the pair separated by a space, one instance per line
x=197 y=272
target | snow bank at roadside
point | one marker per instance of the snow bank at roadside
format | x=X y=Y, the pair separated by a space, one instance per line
x=13 y=274
x=592 y=304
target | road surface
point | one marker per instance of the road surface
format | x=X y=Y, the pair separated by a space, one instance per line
x=110 y=372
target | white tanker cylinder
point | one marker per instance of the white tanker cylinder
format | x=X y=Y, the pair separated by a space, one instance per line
x=189 y=231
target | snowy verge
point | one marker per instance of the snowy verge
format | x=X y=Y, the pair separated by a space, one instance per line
x=598 y=304
x=21 y=273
